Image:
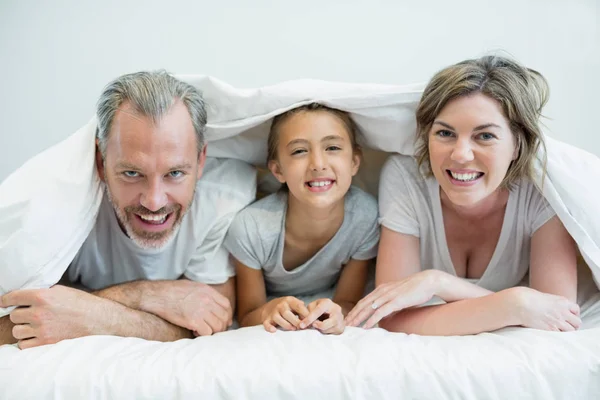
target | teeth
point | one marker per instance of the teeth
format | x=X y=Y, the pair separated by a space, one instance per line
x=154 y=218
x=319 y=184
x=465 y=177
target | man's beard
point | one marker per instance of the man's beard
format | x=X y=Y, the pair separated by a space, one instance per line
x=145 y=239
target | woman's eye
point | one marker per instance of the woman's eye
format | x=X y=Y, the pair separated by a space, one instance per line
x=333 y=148
x=131 y=174
x=298 y=151
x=486 y=136
x=444 y=133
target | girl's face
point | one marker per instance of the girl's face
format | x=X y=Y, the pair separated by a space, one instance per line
x=470 y=148
x=315 y=158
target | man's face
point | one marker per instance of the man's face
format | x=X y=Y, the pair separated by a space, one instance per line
x=150 y=170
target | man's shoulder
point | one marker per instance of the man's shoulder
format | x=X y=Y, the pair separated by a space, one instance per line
x=228 y=175
x=225 y=187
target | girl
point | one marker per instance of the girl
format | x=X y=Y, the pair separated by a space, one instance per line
x=316 y=232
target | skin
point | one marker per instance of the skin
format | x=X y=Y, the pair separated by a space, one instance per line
x=313 y=147
x=471 y=137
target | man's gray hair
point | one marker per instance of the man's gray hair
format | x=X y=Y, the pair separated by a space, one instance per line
x=151 y=94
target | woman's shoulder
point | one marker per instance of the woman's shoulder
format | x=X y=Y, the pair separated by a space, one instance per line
x=400 y=168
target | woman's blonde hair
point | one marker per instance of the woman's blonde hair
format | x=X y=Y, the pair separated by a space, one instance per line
x=521 y=92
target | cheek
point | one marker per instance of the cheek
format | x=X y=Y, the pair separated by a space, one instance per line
x=436 y=154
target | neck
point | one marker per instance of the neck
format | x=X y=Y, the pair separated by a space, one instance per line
x=491 y=204
x=305 y=222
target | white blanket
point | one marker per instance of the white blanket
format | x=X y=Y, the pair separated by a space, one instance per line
x=48 y=207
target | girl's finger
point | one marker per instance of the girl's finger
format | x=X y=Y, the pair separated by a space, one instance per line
x=282 y=323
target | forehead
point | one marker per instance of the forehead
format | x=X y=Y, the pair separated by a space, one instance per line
x=141 y=141
x=312 y=126
x=476 y=108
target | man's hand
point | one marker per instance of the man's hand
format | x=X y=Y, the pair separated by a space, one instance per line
x=46 y=316
x=191 y=305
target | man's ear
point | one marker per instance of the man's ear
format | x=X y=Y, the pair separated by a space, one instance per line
x=99 y=162
x=275 y=169
x=201 y=161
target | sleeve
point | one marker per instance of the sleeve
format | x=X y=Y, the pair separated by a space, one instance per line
x=367 y=248
x=396 y=210
x=539 y=210
x=231 y=188
x=243 y=240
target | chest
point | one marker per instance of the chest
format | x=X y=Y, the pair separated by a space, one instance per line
x=471 y=243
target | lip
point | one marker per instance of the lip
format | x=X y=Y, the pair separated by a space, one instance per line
x=148 y=227
x=456 y=182
x=319 y=189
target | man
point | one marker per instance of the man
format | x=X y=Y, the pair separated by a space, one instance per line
x=154 y=258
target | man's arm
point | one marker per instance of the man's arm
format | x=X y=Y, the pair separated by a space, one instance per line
x=193 y=305
x=45 y=316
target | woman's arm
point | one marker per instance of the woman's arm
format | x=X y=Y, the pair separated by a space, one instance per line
x=553 y=262
x=401 y=286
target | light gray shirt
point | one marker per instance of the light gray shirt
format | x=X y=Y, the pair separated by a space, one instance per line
x=256 y=238
x=109 y=257
x=410 y=204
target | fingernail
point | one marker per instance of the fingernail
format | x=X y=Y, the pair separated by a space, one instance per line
x=302 y=325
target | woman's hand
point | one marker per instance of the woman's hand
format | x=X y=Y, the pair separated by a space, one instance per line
x=326 y=316
x=285 y=313
x=545 y=311
x=395 y=296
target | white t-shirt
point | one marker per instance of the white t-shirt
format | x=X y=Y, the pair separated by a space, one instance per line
x=257 y=237
x=109 y=257
x=410 y=204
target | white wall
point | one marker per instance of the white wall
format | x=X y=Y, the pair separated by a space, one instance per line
x=55 y=57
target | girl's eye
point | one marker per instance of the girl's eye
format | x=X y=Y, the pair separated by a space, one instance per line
x=333 y=148
x=486 y=136
x=444 y=133
x=131 y=174
x=176 y=174
x=298 y=151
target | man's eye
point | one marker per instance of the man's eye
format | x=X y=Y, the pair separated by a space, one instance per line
x=176 y=174
x=131 y=174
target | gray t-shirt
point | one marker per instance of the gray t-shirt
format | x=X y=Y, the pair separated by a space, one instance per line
x=257 y=236
x=109 y=257
x=410 y=204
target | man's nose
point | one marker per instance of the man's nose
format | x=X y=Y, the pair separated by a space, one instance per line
x=154 y=197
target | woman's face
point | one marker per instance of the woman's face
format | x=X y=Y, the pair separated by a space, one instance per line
x=470 y=148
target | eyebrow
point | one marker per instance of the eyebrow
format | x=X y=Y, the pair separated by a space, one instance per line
x=477 y=128
x=128 y=166
x=325 y=139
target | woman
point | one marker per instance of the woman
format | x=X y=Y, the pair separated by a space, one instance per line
x=463 y=221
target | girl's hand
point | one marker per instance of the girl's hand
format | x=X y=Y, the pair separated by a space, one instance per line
x=285 y=313
x=392 y=297
x=545 y=311
x=326 y=316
